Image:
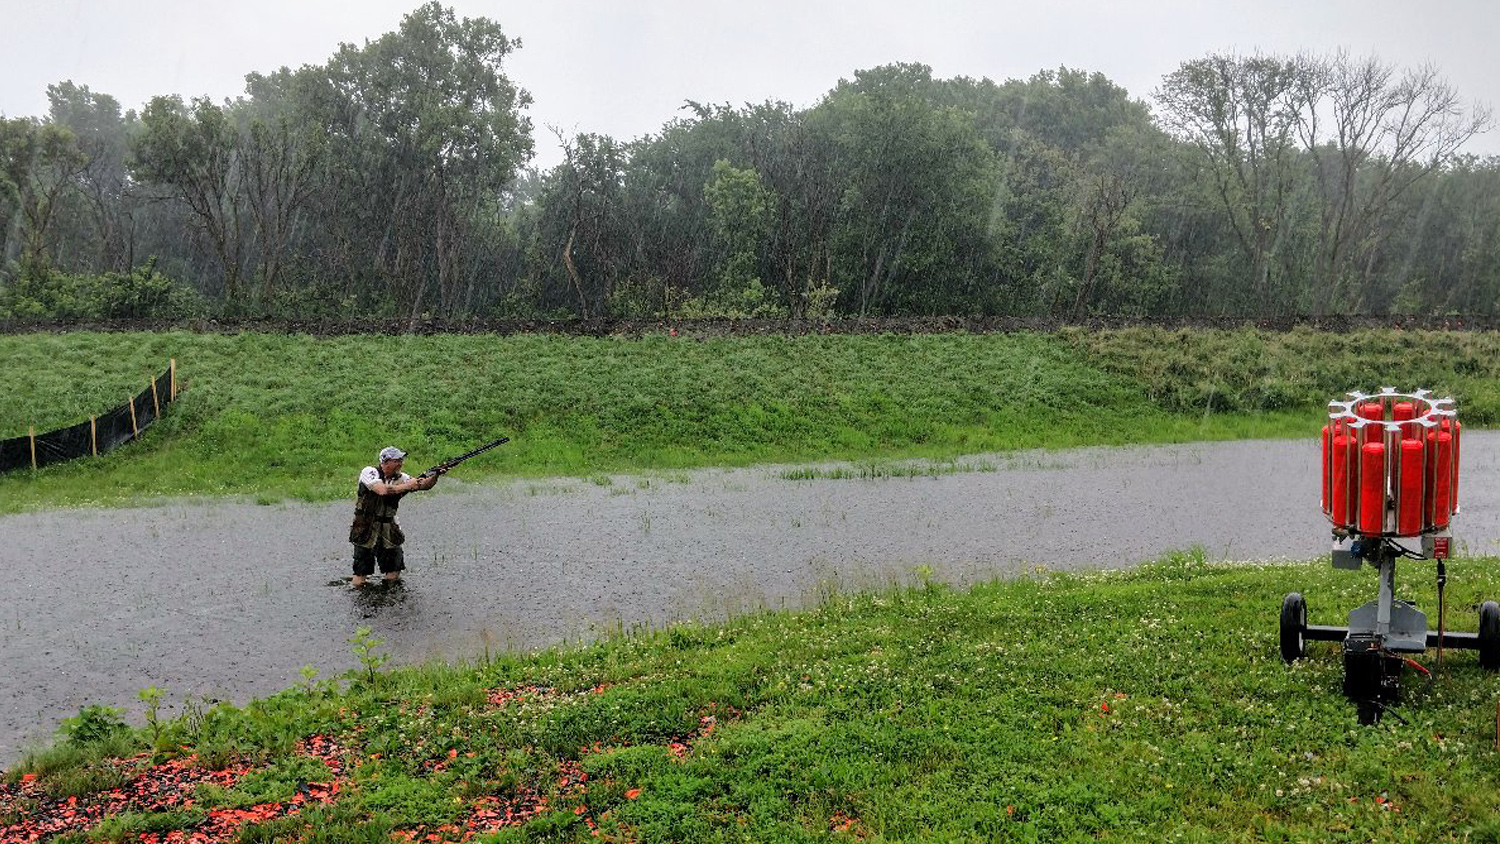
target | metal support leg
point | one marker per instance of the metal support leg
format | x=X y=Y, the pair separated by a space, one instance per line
x=1387 y=564
x=1377 y=630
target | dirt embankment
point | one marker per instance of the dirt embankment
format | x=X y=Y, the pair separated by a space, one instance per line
x=739 y=327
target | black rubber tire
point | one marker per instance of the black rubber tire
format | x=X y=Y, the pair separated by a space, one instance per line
x=1489 y=635
x=1293 y=626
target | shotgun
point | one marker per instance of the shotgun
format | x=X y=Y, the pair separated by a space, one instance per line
x=443 y=467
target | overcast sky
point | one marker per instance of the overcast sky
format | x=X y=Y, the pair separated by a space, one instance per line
x=624 y=68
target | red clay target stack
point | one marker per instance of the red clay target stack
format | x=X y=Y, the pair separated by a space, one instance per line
x=1390 y=464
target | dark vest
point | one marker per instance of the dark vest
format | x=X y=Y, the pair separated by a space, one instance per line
x=371 y=510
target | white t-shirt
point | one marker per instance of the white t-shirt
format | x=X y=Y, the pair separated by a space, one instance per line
x=371 y=475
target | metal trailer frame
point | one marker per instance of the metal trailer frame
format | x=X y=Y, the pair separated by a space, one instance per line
x=1381 y=631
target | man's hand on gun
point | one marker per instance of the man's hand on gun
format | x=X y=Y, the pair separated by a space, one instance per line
x=434 y=472
x=428 y=479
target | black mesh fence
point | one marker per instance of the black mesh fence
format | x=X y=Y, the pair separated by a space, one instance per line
x=15 y=453
x=108 y=430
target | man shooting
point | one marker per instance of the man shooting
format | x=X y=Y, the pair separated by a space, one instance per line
x=375 y=535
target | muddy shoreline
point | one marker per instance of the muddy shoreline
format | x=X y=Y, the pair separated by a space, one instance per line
x=723 y=327
x=228 y=600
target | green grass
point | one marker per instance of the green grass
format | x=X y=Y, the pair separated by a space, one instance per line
x=1188 y=370
x=276 y=417
x=1141 y=706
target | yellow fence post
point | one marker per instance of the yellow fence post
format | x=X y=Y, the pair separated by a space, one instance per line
x=94 y=435
x=134 y=431
x=174 y=380
x=31 y=432
x=155 y=404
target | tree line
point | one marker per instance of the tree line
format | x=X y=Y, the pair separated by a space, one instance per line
x=393 y=181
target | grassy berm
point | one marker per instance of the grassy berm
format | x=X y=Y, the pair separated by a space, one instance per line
x=1148 y=706
x=280 y=417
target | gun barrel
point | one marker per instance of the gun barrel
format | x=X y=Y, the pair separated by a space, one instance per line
x=486 y=447
x=449 y=464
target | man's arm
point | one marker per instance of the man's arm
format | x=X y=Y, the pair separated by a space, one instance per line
x=394 y=487
x=373 y=482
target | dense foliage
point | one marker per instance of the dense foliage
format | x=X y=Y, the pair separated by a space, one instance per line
x=392 y=181
x=37 y=293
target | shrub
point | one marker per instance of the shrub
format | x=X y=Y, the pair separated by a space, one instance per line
x=42 y=293
x=92 y=724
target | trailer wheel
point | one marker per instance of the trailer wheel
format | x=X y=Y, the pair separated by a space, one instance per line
x=1294 y=625
x=1489 y=635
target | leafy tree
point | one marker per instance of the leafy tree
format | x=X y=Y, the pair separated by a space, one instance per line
x=1387 y=130
x=281 y=148
x=103 y=183
x=425 y=133
x=917 y=182
x=1448 y=228
x=16 y=158
x=1067 y=108
x=581 y=210
x=194 y=153
x=672 y=234
x=740 y=211
x=1032 y=212
x=796 y=161
x=1242 y=114
x=38 y=163
x=1123 y=270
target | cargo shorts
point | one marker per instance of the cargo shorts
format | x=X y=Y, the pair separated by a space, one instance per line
x=389 y=559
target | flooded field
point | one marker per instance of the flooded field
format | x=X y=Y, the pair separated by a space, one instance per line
x=228 y=600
